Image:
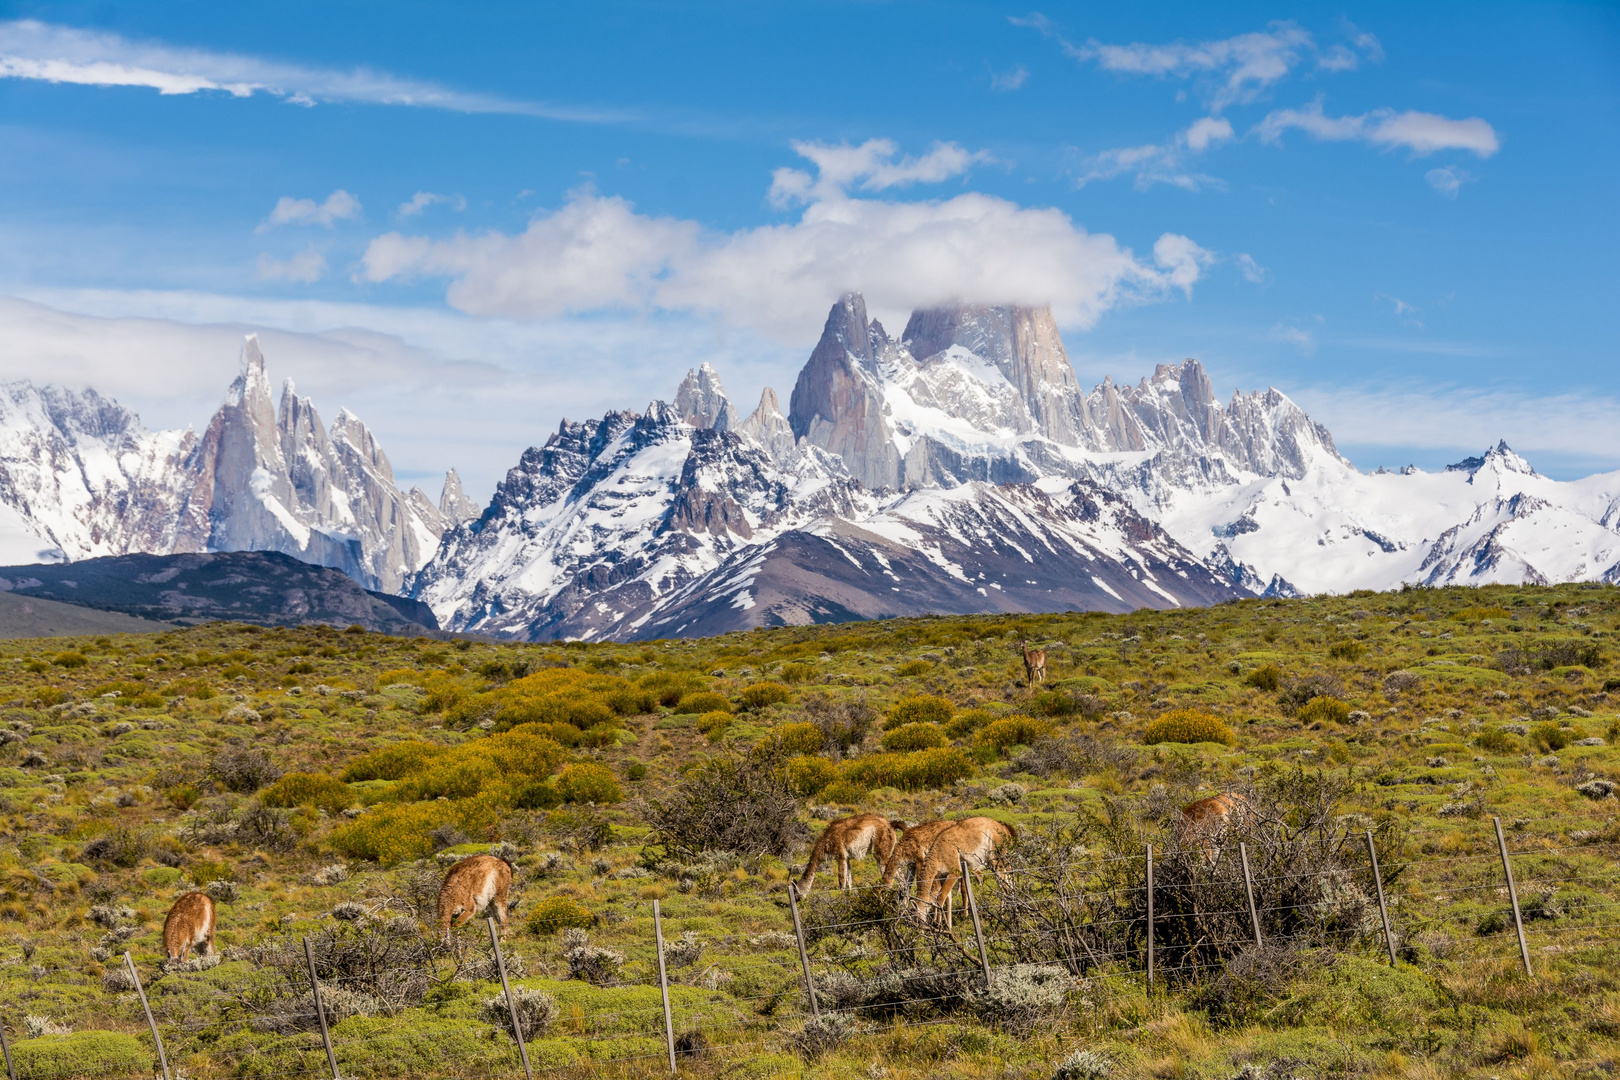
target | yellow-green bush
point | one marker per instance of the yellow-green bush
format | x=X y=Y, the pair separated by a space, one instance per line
x=714 y=724
x=668 y=687
x=967 y=722
x=556 y=913
x=919 y=709
x=70 y=660
x=798 y=673
x=490 y=763
x=391 y=762
x=309 y=789
x=395 y=832
x=913 y=667
x=761 y=694
x=587 y=782
x=998 y=735
x=1188 y=726
x=808 y=775
x=1550 y=737
x=1265 y=677
x=798 y=738
x=83 y=1053
x=914 y=737
x=1497 y=741
x=937 y=768
x=1324 y=709
x=704 y=701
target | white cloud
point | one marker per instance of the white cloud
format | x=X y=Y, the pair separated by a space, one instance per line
x=1422 y=133
x=339 y=206
x=1252 y=272
x=1406 y=313
x=1302 y=339
x=424 y=199
x=1446 y=181
x=1164 y=163
x=1010 y=80
x=597 y=252
x=306 y=267
x=871 y=166
x=44 y=52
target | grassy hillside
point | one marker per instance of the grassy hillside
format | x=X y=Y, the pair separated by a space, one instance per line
x=318 y=781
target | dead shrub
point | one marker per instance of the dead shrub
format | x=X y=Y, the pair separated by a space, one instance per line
x=738 y=803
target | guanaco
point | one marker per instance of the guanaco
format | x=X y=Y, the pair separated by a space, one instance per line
x=977 y=840
x=190 y=924
x=911 y=850
x=471 y=886
x=1034 y=665
x=850 y=840
x=1204 y=822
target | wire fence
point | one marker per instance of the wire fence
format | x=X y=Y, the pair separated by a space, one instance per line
x=1070 y=930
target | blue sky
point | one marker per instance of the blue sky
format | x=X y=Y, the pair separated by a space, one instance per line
x=465 y=221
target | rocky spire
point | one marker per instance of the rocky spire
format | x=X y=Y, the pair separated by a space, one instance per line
x=701 y=401
x=453 y=501
x=837 y=403
x=767 y=426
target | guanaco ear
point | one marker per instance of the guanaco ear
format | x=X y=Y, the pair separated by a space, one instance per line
x=898 y=825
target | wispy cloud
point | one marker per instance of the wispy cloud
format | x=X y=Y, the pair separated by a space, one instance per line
x=1162 y=163
x=1297 y=336
x=424 y=199
x=1010 y=80
x=46 y=52
x=339 y=206
x=1252 y=272
x=1231 y=70
x=1406 y=313
x=1421 y=133
x=306 y=267
x=1447 y=181
x=597 y=252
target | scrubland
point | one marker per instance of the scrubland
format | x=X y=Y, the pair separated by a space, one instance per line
x=317 y=782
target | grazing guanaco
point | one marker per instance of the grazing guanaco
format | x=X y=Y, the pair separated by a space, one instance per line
x=977 y=840
x=1034 y=665
x=911 y=850
x=1204 y=822
x=470 y=888
x=190 y=924
x=850 y=840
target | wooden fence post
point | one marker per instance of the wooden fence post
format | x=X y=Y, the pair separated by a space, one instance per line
x=973 y=908
x=804 y=956
x=1383 y=911
x=163 y=1058
x=11 y=1070
x=1513 y=895
x=663 y=986
x=1248 y=886
x=1150 y=917
x=320 y=1009
x=511 y=1002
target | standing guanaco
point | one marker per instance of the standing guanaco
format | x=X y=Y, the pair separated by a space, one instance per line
x=912 y=850
x=190 y=924
x=1034 y=665
x=975 y=840
x=850 y=840
x=470 y=888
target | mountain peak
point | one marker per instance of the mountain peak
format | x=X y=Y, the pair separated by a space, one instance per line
x=701 y=400
x=1500 y=458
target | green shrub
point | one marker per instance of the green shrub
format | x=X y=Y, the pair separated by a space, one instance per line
x=309 y=789
x=914 y=737
x=761 y=694
x=670 y=686
x=1611 y=684
x=998 y=735
x=919 y=709
x=798 y=673
x=1188 y=726
x=1496 y=741
x=808 y=775
x=914 y=667
x=1266 y=677
x=635 y=772
x=587 y=782
x=70 y=660
x=1324 y=709
x=967 y=722
x=937 y=768
x=391 y=762
x=1550 y=737
x=703 y=701
x=1346 y=650
x=555 y=913
x=714 y=724
x=393 y=833
x=83 y=1053
x=800 y=737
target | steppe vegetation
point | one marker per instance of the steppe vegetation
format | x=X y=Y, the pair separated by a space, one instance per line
x=316 y=782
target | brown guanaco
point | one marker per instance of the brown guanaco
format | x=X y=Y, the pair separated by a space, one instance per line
x=1034 y=665
x=190 y=924
x=850 y=840
x=975 y=840
x=470 y=888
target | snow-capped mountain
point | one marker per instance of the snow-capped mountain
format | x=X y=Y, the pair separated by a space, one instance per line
x=961 y=468
x=80 y=477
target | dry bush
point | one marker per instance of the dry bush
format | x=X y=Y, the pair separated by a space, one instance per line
x=844 y=721
x=1072 y=755
x=536 y=1010
x=243 y=768
x=390 y=964
x=740 y=803
x=1297 y=692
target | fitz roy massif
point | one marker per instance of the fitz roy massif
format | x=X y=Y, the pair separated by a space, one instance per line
x=956 y=467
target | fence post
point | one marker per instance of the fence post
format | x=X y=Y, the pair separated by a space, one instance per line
x=1383 y=911
x=973 y=909
x=1150 y=916
x=11 y=1070
x=663 y=986
x=1513 y=895
x=163 y=1058
x=320 y=1009
x=511 y=1002
x=804 y=957
x=1248 y=886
